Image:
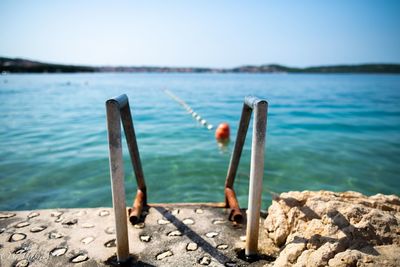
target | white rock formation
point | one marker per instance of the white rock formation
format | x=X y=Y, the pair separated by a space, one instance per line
x=335 y=229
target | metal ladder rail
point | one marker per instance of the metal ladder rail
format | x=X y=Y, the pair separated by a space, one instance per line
x=118 y=110
x=260 y=108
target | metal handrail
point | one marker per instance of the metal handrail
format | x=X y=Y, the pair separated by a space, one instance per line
x=260 y=108
x=118 y=110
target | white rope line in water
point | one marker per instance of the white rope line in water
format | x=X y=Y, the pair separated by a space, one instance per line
x=195 y=115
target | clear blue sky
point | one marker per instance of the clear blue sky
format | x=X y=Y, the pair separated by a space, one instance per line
x=201 y=33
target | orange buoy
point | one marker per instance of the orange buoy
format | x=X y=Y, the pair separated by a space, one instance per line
x=222 y=132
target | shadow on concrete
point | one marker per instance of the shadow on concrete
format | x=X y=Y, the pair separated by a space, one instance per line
x=184 y=229
x=131 y=262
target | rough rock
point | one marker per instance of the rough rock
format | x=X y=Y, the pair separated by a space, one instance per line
x=290 y=253
x=336 y=229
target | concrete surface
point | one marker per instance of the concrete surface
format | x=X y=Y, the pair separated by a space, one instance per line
x=169 y=236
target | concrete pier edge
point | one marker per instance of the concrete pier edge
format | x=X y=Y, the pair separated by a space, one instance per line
x=179 y=234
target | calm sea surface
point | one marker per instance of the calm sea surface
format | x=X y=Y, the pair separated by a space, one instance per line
x=332 y=132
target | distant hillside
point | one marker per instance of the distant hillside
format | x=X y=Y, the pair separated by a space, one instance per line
x=363 y=68
x=17 y=65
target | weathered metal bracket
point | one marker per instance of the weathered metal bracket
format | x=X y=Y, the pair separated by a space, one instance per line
x=118 y=110
x=260 y=108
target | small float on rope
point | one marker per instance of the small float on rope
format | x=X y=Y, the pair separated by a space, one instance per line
x=222 y=132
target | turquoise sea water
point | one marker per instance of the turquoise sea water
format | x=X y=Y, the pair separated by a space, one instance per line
x=333 y=132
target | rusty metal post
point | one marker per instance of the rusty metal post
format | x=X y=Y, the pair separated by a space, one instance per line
x=141 y=197
x=231 y=202
x=117 y=178
x=230 y=196
x=132 y=145
x=256 y=173
x=237 y=151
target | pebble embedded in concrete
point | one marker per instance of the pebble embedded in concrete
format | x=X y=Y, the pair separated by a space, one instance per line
x=175 y=233
x=22 y=263
x=188 y=221
x=164 y=254
x=111 y=243
x=199 y=211
x=37 y=229
x=110 y=230
x=87 y=225
x=87 y=240
x=205 y=261
x=7 y=215
x=33 y=215
x=17 y=237
x=104 y=213
x=70 y=222
x=79 y=213
x=191 y=246
x=56 y=213
x=80 y=258
x=211 y=234
x=218 y=221
x=175 y=212
x=58 y=251
x=59 y=219
x=21 y=250
x=139 y=225
x=163 y=222
x=55 y=235
x=22 y=224
x=145 y=238
x=222 y=246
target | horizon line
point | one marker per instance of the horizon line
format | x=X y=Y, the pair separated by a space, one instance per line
x=199 y=67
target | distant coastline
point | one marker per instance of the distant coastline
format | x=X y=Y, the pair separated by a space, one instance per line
x=18 y=65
